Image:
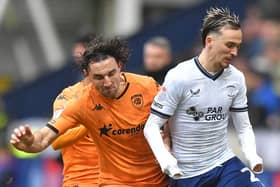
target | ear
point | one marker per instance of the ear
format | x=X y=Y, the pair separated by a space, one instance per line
x=208 y=41
x=85 y=72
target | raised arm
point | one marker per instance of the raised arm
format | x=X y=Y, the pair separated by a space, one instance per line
x=32 y=142
x=69 y=137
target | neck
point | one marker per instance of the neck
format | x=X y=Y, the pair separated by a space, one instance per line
x=86 y=81
x=208 y=62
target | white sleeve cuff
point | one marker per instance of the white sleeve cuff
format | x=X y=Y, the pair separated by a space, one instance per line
x=255 y=161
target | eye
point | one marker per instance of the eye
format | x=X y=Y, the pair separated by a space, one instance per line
x=98 y=77
x=112 y=73
x=230 y=45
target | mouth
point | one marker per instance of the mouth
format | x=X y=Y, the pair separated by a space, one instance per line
x=109 y=90
x=228 y=60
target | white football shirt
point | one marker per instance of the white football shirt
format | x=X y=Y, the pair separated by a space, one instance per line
x=199 y=104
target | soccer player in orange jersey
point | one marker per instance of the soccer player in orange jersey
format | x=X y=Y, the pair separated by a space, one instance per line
x=114 y=109
x=80 y=158
x=79 y=154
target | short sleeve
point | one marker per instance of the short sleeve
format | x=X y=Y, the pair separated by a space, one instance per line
x=62 y=99
x=239 y=103
x=66 y=118
x=59 y=102
x=169 y=96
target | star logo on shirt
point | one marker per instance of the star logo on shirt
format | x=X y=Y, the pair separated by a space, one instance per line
x=104 y=130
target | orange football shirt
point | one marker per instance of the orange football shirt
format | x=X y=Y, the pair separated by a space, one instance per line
x=116 y=126
x=81 y=164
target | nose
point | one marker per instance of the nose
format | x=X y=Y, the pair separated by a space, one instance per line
x=234 y=51
x=107 y=81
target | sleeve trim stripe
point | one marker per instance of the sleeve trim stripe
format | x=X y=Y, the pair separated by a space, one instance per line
x=159 y=114
x=52 y=128
x=244 y=109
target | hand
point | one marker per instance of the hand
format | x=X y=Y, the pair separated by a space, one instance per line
x=173 y=172
x=258 y=168
x=170 y=167
x=22 y=137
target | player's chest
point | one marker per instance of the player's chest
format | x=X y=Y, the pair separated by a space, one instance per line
x=120 y=128
x=122 y=120
x=210 y=96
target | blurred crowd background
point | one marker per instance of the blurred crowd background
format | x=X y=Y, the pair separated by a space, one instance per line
x=39 y=39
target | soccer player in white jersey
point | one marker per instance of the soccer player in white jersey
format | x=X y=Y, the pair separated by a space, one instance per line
x=198 y=97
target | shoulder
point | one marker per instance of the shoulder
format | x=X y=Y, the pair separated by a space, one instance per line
x=234 y=72
x=63 y=98
x=77 y=102
x=183 y=67
x=140 y=80
x=236 y=77
x=74 y=90
x=68 y=92
x=182 y=73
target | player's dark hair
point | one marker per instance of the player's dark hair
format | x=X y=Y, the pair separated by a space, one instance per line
x=215 y=19
x=100 y=49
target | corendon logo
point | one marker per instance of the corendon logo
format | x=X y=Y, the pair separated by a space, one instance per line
x=107 y=130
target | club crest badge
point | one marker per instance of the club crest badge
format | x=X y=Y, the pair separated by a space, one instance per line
x=231 y=91
x=137 y=100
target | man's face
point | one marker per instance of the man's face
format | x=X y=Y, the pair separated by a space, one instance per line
x=224 y=46
x=105 y=76
x=155 y=57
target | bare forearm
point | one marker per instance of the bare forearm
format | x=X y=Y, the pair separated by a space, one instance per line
x=39 y=144
x=24 y=140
